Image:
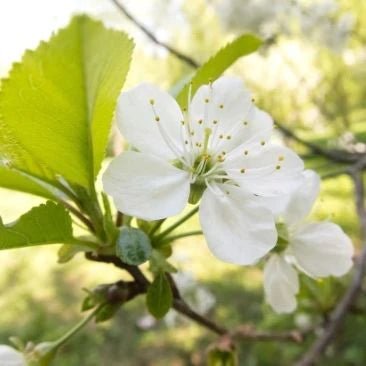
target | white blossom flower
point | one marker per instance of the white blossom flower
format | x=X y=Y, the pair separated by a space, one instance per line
x=318 y=249
x=217 y=149
x=11 y=357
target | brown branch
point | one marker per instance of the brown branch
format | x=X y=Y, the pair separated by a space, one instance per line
x=141 y=283
x=339 y=156
x=338 y=315
x=186 y=59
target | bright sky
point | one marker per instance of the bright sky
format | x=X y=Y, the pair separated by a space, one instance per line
x=23 y=23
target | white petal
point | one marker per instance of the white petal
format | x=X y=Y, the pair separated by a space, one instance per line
x=11 y=357
x=226 y=101
x=322 y=249
x=236 y=228
x=247 y=135
x=270 y=170
x=281 y=284
x=145 y=186
x=136 y=118
x=302 y=199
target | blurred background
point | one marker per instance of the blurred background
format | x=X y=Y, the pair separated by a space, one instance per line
x=310 y=76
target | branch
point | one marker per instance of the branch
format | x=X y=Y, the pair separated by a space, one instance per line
x=141 y=283
x=338 y=315
x=186 y=59
x=339 y=156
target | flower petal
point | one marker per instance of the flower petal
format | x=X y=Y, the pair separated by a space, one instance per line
x=237 y=229
x=322 y=249
x=145 y=186
x=281 y=284
x=137 y=121
x=226 y=101
x=302 y=200
x=269 y=170
x=11 y=357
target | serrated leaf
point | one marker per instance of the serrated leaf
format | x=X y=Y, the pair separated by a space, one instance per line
x=57 y=104
x=48 y=223
x=217 y=64
x=159 y=296
x=133 y=246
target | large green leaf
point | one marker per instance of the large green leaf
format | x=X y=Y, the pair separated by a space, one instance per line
x=57 y=105
x=20 y=182
x=217 y=64
x=48 y=223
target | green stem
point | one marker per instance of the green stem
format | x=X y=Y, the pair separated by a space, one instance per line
x=178 y=236
x=178 y=223
x=62 y=340
x=156 y=227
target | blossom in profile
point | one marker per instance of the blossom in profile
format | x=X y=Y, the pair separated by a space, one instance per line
x=216 y=152
x=318 y=249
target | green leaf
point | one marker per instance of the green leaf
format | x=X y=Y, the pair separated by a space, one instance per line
x=68 y=251
x=11 y=179
x=57 y=105
x=48 y=223
x=133 y=246
x=217 y=64
x=106 y=312
x=218 y=357
x=159 y=297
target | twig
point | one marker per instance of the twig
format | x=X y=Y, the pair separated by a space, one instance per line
x=338 y=156
x=188 y=60
x=338 y=315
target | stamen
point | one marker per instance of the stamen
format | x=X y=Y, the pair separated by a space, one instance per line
x=157 y=118
x=263 y=143
x=242 y=170
x=200 y=121
x=152 y=101
x=278 y=167
x=245 y=123
x=281 y=158
x=228 y=137
x=208 y=132
x=246 y=152
x=221 y=106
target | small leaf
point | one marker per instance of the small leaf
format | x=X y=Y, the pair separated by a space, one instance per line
x=159 y=296
x=217 y=64
x=133 y=246
x=68 y=252
x=107 y=312
x=48 y=223
x=159 y=263
x=218 y=357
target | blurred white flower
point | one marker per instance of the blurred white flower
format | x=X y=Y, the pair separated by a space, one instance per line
x=11 y=357
x=318 y=249
x=218 y=149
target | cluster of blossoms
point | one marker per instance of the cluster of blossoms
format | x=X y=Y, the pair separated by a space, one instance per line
x=319 y=21
x=218 y=153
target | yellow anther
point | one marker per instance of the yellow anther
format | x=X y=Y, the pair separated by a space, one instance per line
x=152 y=101
x=186 y=142
x=221 y=136
x=245 y=123
x=263 y=143
x=157 y=118
x=246 y=152
x=184 y=109
x=200 y=121
x=278 y=167
x=215 y=122
x=223 y=153
x=182 y=123
x=228 y=137
x=192 y=133
x=242 y=170
x=281 y=158
x=221 y=106
x=207 y=100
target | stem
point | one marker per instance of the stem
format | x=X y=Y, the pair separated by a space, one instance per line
x=156 y=227
x=62 y=340
x=179 y=236
x=178 y=223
